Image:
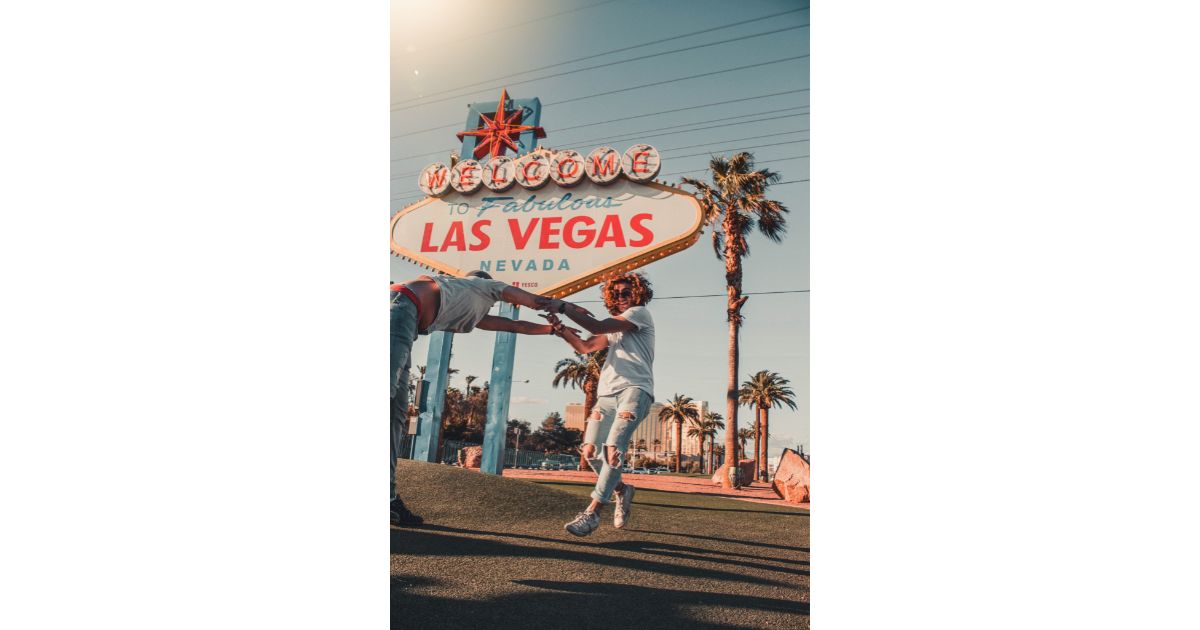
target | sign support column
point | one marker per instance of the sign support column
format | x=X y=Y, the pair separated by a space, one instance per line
x=429 y=424
x=499 y=393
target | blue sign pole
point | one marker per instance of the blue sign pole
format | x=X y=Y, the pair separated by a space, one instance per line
x=433 y=391
x=505 y=351
x=494 y=432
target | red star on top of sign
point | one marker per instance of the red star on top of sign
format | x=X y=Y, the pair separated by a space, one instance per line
x=498 y=131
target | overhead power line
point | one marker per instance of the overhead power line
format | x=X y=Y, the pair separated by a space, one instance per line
x=595 y=67
x=558 y=130
x=676 y=80
x=704 y=144
x=723 y=120
x=600 y=54
x=681 y=109
x=757 y=146
x=621 y=119
x=638 y=133
x=541 y=19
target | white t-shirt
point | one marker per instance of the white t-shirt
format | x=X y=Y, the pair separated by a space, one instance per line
x=630 y=360
x=464 y=301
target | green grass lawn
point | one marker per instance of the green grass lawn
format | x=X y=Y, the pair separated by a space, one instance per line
x=493 y=554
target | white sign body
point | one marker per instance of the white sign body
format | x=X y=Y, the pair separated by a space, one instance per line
x=553 y=241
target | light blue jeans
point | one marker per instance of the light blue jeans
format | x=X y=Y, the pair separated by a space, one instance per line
x=404 y=333
x=615 y=417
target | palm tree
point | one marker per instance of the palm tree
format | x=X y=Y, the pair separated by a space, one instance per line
x=582 y=372
x=470 y=403
x=733 y=206
x=743 y=435
x=678 y=410
x=699 y=432
x=712 y=423
x=764 y=390
x=657 y=443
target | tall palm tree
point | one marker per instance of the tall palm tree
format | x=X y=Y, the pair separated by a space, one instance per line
x=765 y=390
x=582 y=372
x=678 y=410
x=657 y=443
x=734 y=204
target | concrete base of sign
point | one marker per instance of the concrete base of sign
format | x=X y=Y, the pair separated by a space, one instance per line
x=791 y=480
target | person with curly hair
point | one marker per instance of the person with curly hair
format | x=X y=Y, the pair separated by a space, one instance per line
x=626 y=388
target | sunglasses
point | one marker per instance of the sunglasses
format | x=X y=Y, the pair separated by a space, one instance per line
x=623 y=293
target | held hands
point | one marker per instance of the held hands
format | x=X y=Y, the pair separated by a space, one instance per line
x=556 y=325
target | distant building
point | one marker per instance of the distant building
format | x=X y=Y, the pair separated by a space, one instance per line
x=573 y=416
x=691 y=445
x=649 y=430
x=654 y=429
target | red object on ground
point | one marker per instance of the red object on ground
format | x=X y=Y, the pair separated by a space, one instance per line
x=791 y=480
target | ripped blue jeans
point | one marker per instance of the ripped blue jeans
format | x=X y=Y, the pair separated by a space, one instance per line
x=615 y=417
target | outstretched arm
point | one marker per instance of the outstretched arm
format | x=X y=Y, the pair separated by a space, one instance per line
x=503 y=324
x=581 y=316
x=521 y=297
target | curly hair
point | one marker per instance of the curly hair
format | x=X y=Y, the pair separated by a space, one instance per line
x=642 y=293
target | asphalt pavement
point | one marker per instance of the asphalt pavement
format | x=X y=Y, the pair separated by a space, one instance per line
x=493 y=554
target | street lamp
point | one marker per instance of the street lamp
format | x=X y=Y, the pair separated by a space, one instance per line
x=517 y=450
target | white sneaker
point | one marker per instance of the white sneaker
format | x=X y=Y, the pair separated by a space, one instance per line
x=624 y=505
x=584 y=524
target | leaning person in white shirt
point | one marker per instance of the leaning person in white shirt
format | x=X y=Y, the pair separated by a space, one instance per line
x=459 y=305
x=626 y=388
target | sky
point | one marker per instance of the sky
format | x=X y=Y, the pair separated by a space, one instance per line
x=446 y=55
